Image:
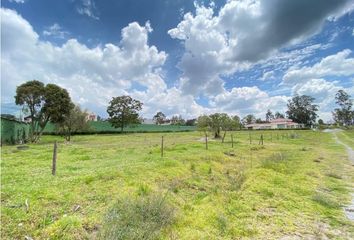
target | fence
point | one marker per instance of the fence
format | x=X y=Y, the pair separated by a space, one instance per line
x=13 y=131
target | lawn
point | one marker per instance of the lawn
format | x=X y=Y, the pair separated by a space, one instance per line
x=295 y=185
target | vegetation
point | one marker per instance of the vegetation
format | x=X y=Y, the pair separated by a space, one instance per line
x=159 y=118
x=245 y=192
x=140 y=218
x=302 y=110
x=74 y=122
x=343 y=115
x=44 y=104
x=123 y=111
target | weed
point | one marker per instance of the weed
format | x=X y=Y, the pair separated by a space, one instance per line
x=141 y=218
x=325 y=200
x=143 y=190
x=193 y=167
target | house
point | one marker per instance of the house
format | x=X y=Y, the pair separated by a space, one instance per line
x=279 y=123
x=91 y=117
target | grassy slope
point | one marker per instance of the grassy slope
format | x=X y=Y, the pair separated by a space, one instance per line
x=289 y=187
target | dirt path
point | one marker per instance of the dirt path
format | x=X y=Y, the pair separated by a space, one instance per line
x=348 y=210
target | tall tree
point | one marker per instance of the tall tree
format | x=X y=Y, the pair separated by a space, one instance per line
x=177 y=120
x=236 y=122
x=279 y=115
x=123 y=111
x=159 y=118
x=269 y=115
x=203 y=123
x=75 y=122
x=302 y=110
x=248 y=119
x=44 y=104
x=343 y=115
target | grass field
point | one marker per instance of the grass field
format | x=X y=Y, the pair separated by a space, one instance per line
x=293 y=187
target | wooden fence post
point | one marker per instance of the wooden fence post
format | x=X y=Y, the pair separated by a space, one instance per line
x=161 y=146
x=54 y=162
x=232 y=141
x=206 y=141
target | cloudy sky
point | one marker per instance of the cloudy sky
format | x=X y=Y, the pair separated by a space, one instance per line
x=181 y=57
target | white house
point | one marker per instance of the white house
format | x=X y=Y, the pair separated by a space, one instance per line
x=280 y=123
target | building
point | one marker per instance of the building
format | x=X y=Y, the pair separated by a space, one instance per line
x=91 y=117
x=280 y=123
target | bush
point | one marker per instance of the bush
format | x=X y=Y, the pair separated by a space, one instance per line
x=141 y=218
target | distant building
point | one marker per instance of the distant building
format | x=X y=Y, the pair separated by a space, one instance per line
x=280 y=123
x=147 y=121
x=91 y=117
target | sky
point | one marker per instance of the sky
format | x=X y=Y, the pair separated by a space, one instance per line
x=181 y=57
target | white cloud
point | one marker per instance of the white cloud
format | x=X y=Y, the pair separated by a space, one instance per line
x=92 y=75
x=55 y=31
x=267 y=75
x=241 y=33
x=248 y=100
x=324 y=93
x=88 y=8
x=339 y=64
x=17 y=1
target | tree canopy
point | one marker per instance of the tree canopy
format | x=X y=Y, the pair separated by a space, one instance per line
x=123 y=111
x=159 y=118
x=269 y=115
x=218 y=122
x=343 y=115
x=75 y=121
x=302 y=110
x=44 y=104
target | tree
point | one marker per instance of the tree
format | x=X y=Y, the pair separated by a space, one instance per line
x=320 y=122
x=75 y=122
x=123 y=111
x=343 y=115
x=302 y=110
x=248 y=119
x=236 y=122
x=203 y=123
x=216 y=123
x=44 y=104
x=159 y=118
x=191 y=122
x=279 y=115
x=269 y=115
x=178 y=120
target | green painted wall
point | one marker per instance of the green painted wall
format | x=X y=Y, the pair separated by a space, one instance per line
x=13 y=132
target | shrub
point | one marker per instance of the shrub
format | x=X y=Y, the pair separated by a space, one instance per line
x=141 y=218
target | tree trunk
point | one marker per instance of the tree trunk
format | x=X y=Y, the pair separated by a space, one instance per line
x=223 y=137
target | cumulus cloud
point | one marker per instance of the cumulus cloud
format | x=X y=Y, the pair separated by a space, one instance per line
x=241 y=33
x=339 y=64
x=248 y=100
x=92 y=75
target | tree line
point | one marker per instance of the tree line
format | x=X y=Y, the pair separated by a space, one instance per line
x=52 y=103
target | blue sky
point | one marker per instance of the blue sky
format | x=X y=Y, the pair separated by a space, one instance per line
x=181 y=57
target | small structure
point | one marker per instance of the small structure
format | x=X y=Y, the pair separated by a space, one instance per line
x=13 y=131
x=91 y=117
x=279 y=123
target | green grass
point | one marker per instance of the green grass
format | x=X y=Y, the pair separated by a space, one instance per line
x=347 y=137
x=289 y=186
